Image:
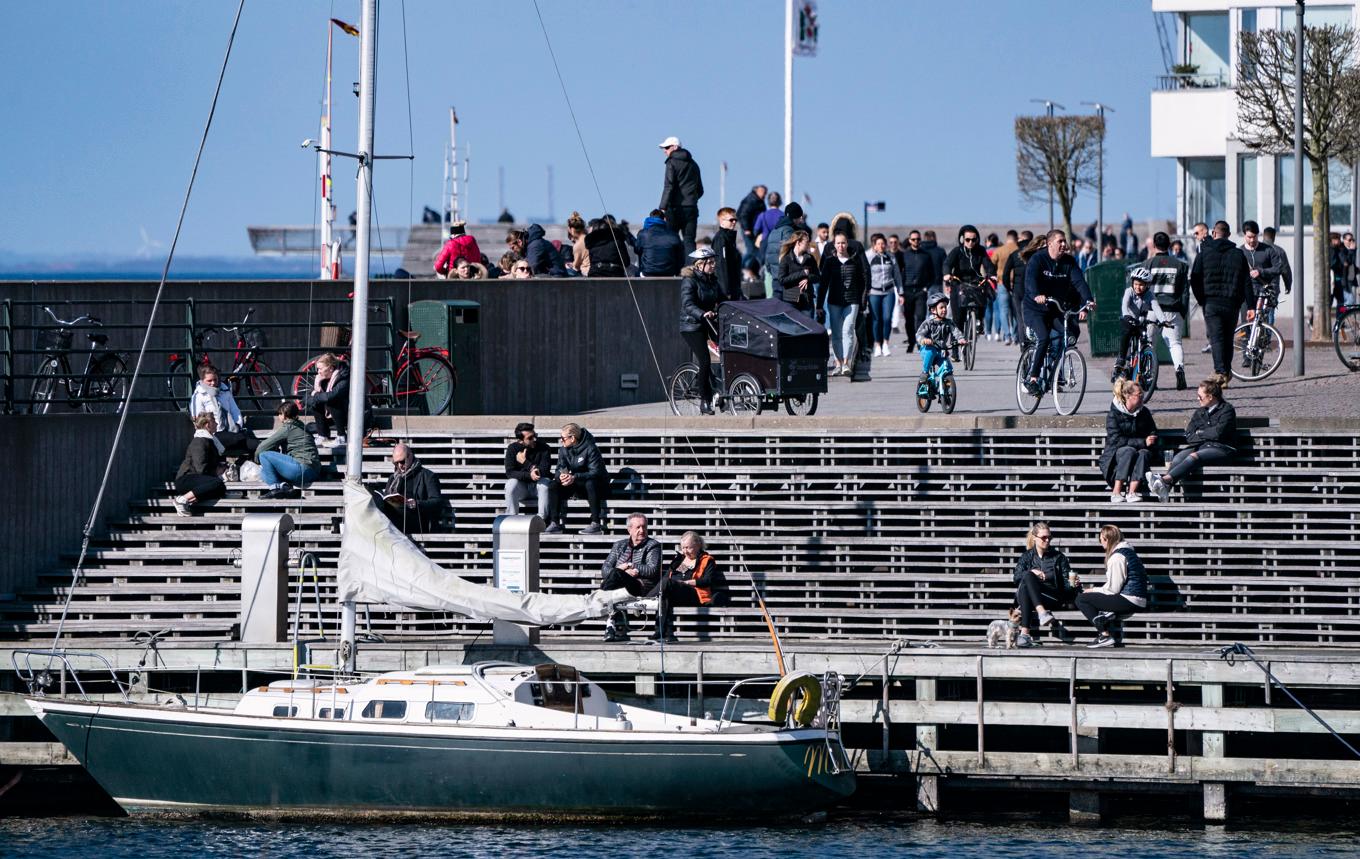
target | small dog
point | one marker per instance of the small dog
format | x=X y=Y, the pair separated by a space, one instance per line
x=1007 y=629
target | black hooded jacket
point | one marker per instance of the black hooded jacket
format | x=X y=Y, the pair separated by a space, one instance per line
x=607 y=248
x=542 y=257
x=683 y=185
x=968 y=264
x=937 y=258
x=1219 y=277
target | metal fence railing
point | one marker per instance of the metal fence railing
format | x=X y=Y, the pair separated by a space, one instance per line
x=260 y=346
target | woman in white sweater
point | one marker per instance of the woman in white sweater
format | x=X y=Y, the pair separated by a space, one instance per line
x=1124 y=593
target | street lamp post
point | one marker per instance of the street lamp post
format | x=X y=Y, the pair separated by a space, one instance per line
x=1100 y=176
x=1300 y=269
x=1049 y=104
x=871 y=206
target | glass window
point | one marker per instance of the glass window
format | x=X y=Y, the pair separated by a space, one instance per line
x=385 y=710
x=1338 y=183
x=1206 y=188
x=1206 y=45
x=1246 y=188
x=448 y=711
x=1319 y=16
x=328 y=713
x=285 y=710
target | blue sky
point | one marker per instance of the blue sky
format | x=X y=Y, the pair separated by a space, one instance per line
x=910 y=101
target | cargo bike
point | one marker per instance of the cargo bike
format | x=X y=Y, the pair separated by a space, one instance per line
x=766 y=352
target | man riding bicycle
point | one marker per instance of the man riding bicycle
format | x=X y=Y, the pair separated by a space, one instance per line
x=1052 y=275
x=966 y=266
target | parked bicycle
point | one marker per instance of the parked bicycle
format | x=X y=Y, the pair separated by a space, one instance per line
x=99 y=388
x=252 y=381
x=1140 y=361
x=1346 y=336
x=1258 y=346
x=1064 y=377
x=423 y=383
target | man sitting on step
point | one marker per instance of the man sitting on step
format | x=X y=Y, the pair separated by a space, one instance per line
x=635 y=565
x=412 y=498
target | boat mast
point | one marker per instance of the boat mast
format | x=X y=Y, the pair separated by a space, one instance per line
x=329 y=269
x=358 y=391
x=454 y=214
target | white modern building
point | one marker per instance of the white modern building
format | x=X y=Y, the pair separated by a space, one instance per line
x=1194 y=120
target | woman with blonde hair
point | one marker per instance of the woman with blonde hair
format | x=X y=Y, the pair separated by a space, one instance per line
x=1044 y=583
x=799 y=271
x=1124 y=593
x=1130 y=441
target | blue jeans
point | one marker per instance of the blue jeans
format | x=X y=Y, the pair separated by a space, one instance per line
x=840 y=321
x=881 y=309
x=276 y=468
x=930 y=356
x=1001 y=310
x=748 y=259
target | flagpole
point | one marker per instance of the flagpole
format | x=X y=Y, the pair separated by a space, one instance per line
x=327 y=204
x=788 y=100
x=454 y=214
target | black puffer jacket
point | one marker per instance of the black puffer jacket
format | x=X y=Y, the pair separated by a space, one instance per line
x=791 y=272
x=918 y=269
x=542 y=257
x=1123 y=429
x=937 y=258
x=1058 y=581
x=728 y=268
x=608 y=251
x=845 y=283
x=683 y=185
x=1219 y=276
x=582 y=459
x=1216 y=427
x=698 y=295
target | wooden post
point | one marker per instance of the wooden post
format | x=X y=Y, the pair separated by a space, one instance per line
x=1170 y=717
x=1072 y=710
x=981 y=753
x=1215 y=793
x=883 y=711
x=927 y=786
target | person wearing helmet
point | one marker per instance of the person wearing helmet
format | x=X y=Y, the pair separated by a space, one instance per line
x=936 y=336
x=700 y=295
x=1139 y=309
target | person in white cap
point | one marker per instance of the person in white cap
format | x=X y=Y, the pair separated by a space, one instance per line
x=681 y=191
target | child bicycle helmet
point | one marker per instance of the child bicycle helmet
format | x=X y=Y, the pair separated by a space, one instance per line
x=1141 y=273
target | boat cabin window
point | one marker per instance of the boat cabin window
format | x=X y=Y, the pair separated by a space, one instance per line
x=556 y=688
x=385 y=710
x=449 y=711
x=285 y=710
x=328 y=713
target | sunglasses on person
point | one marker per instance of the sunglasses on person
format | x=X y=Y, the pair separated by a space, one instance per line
x=1043 y=537
x=968 y=240
x=399 y=462
x=521 y=268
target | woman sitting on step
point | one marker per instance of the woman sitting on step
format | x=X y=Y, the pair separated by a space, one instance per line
x=1130 y=442
x=200 y=474
x=1209 y=439
x=1125 y=591
x=693 y=579
x=287 y=473
x=1044 y=583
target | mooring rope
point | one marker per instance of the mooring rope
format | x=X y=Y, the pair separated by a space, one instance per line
x=1229 y=655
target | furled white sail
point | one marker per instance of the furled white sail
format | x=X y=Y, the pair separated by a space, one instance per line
x=379 y=564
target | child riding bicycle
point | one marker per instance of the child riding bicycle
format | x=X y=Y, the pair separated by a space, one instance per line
x=1138 y=310
x=936 y=337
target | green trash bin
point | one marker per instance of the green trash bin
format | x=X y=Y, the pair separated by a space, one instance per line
x=454 y=325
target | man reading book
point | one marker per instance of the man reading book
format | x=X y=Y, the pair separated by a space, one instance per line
x=412 y=498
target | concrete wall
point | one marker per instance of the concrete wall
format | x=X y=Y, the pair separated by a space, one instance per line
x=548 y=345
x=53 y=465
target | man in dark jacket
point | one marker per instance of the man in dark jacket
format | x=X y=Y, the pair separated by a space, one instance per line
x=747 y=211
x=412 y=498
x=791 y=220
x=533 y=245
x=1052 y=274
x=528 y=470
x=729 y=261
x=607 y=248
x=966 y=265
x=1219 y=281
x=681 y=190
x=658 y=248
x=1265 y=266
x=1169 y=286
x=580 y=474
x=918 y=275
x=931 y=245
x=634 y=564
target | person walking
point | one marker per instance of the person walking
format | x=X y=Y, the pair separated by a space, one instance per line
x=728 y=260
x=747 y=211
x=799 y=271
x=844 y=288
x=1265 y=266
x=1219 y=280
x=885 y=293
x=790 y=220
x=1169 y=282
x=681 y=191
x=918 y=273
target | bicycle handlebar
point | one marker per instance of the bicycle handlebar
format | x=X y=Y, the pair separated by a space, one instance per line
x=74 y=322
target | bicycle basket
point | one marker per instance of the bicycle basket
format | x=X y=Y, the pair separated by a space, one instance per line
x=54 y=340
x=334 y=335
x=254 y=338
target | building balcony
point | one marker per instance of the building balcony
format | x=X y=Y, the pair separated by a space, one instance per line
x=1192 y=122
x=1192 y=81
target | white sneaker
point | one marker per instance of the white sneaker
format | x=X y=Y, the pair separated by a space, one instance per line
x=878 y=351
x=1116 y=498
x=886 y=350
x=340 y=441
x=1163 y=491
x=1132 y=498
x=181 y=505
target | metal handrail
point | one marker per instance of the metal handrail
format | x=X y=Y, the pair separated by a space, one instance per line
x=1192 y=80
x=40 y=679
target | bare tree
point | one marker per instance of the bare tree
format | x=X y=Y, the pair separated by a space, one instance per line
x=1057 y=152
x=1331 y=121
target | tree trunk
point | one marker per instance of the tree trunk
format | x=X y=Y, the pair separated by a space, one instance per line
x=1322 y=275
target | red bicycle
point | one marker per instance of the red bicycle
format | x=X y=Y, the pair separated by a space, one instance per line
x=253 y=382
x=423 y=381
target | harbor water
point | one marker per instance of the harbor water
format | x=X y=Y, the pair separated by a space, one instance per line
x=854 y=835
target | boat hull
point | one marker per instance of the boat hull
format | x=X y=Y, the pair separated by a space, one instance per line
x=154 y=760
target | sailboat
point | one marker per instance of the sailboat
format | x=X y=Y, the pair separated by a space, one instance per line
x=490 y=738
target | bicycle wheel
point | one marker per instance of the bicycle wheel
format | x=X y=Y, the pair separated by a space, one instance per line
x=179 y=386
x=684 y=391
x=1069 y=383
x=1256 y=354
x=1346 y=339
x=425 y=386
x=949 y=393
x=44 y=388
x=803 y=405
x=1028 y=403
x=1147 y=371
x=745 y=395
x=303 y=381
x=970 y=348
x=923 y=402
x=262 y=391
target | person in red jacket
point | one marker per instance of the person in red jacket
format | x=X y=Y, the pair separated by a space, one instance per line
x=459 y=246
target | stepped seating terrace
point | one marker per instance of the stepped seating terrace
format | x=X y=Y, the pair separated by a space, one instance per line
x=868 y=534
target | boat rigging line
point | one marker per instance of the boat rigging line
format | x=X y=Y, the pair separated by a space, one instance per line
x=1229 y=655
x=76 y=575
